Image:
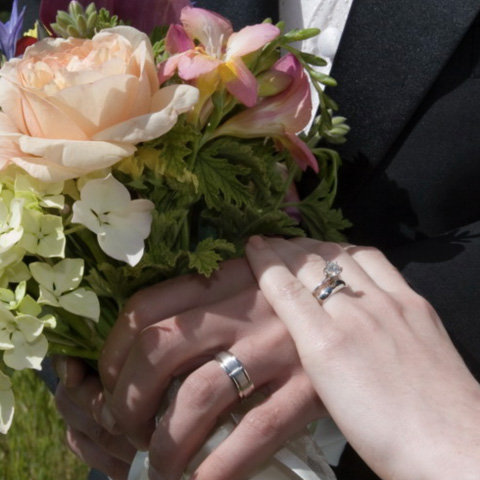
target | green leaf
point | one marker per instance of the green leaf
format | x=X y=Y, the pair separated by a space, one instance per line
x=299 y=35
x=256 y=155
x=313 y=59
x=166 y=228
x=208 y=254
x=219 y=180
x=172 y=151
x=321 y=221
x=237 y=225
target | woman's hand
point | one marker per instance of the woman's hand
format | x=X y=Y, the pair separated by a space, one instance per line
x=379 y=358
x=91 y=434
x=175 y=329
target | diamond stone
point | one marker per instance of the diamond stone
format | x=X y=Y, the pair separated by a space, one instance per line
x=332 y=269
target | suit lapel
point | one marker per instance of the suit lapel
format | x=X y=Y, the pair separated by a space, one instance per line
x=389 y=56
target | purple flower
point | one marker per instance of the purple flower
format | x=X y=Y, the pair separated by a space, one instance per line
x=11 y=31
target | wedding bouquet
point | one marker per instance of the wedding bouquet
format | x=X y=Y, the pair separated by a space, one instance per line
x=127 y=159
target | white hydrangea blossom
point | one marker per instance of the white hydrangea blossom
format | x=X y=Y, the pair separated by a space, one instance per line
x=21 y=338
x=59 y=287
x=43 y=234
x=11 y=212
x=36 y=192
x=12 y=268
x=7 y=403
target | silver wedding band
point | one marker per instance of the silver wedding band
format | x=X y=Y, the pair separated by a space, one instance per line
x=237 y=373
x=331 y=284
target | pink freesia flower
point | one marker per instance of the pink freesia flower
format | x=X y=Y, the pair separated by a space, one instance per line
x=144 y=14
x=205 y=45
x=280 y=116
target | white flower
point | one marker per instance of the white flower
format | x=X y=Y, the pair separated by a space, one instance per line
x=121 y=224
x=21 y=338
x=47 y=195
x=11 y=229
x=7 y=403
x=43 y=234
x=12 y=269
x=58 y=287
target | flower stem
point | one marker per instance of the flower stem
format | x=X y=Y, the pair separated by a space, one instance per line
x=57 y=349
x=292 y=172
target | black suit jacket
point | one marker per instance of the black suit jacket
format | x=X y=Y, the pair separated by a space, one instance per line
x=409 y=85
x=408 y=77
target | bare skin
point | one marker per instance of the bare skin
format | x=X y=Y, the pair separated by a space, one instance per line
x=379 y=357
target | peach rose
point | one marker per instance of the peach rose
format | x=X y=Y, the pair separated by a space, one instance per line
x=69 y=107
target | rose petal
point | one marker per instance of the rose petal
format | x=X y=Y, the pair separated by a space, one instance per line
x=167 y=104
x=110 y=102
x=56 y=160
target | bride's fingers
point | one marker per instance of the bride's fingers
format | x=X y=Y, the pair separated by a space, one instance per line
x=306 y=258
x=292 y=302
x=379 y=270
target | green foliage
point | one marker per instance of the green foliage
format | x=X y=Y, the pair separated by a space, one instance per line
x=320 y=220
x=83 y=23
x=206 y=257
x=219 y=180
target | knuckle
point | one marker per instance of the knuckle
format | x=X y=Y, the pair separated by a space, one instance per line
x=328 y=250
x=148 y=340
x=99 y=435
x=419 y=303
x=156 y=338
x=360 y=252
x=200 y=391
x=136 y=303
x=289 y=290
x=264 y=424
x=333 y=340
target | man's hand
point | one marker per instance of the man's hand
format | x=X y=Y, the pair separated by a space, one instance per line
x=91 y=434
x=175 y=328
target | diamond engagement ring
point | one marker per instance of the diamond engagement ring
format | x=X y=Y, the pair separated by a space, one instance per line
x=237 y=373
x=331 y=284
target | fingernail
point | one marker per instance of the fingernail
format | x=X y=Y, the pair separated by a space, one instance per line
x=108 y=421
x=257 y=242
x=61 y=369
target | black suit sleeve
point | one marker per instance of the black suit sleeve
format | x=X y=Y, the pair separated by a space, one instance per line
x=445 y=270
